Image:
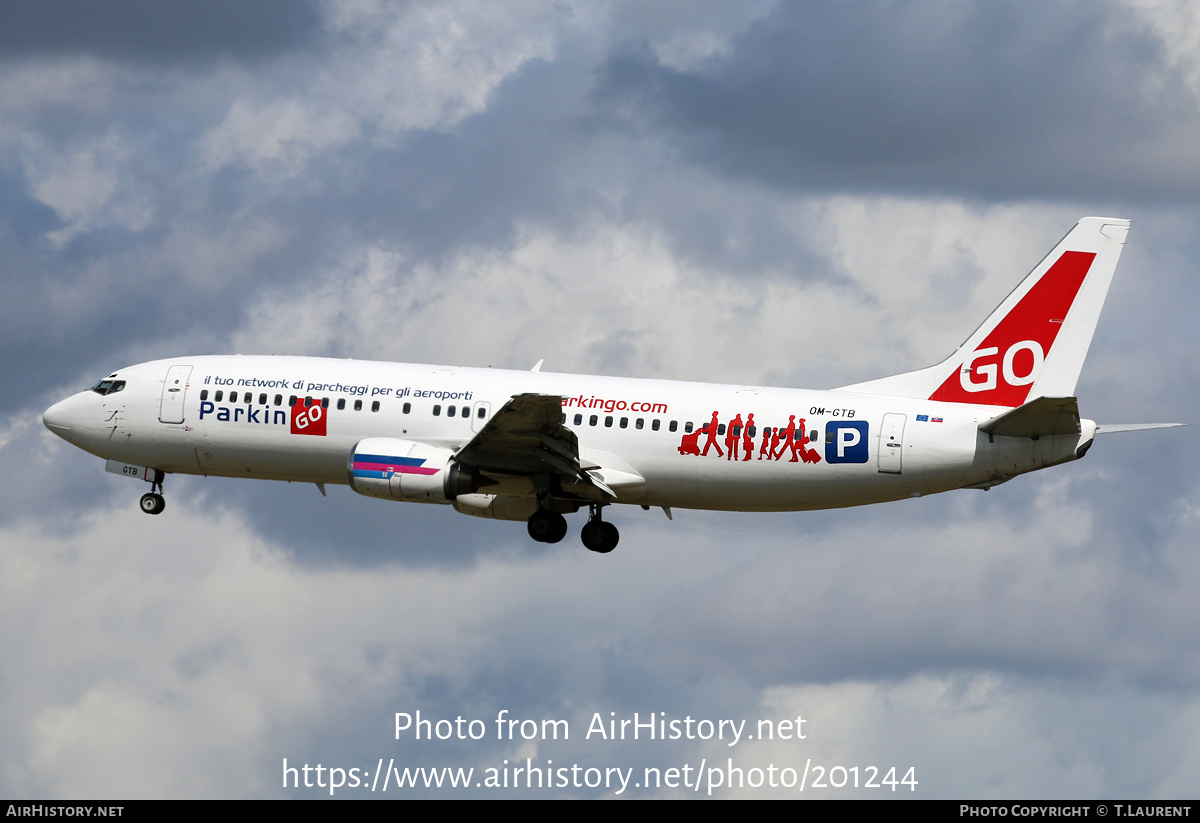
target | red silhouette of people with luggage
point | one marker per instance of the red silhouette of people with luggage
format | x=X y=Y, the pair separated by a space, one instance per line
x=806 y=454
x=739 y=440
x=688 y=445
x=710 y=429
x=732 y=437
x=766 y=444
x=789 y=440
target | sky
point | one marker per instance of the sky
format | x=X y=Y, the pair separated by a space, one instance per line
x=791 y=194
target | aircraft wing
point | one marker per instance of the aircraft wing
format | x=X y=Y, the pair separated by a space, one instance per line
x=527 y=437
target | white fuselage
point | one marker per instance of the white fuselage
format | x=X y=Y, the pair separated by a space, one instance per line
x=233 y=416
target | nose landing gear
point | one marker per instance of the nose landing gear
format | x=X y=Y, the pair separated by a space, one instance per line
x=152 y=502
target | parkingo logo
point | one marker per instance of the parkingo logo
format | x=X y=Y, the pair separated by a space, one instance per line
x=309 y=419
x=846 y=441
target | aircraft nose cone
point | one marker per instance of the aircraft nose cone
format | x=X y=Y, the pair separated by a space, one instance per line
x=57 y=418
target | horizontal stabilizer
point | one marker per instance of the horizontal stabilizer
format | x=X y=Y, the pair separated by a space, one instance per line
x=1042 y=417
x=1108 y=428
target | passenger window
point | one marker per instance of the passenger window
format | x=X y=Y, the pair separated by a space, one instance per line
x=218 y=397
x=204 y=394
x=233 y=397
x=624 y=422
x=406 y=409
x=341 y=403
x=812 y=436
x=721 y=428
x=579 y=420
x=308 y=401
x=482 y=411
x=592 y=420
x=291 y=400
x=737 y=431
x=437 y=411
x=279 y=400
x=324 y=402
x=655 y=424
x=358 y=405
x=248 y=398
x=639 y=422
x=262 y=400
x=375 y=406
x=752 y=431
x=687 y=427
x=674 y=425
x=608 y=421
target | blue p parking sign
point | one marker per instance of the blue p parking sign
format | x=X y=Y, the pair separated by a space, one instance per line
x=846 y=441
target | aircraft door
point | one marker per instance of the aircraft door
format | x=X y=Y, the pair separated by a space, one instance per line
x=891 y=443
x=481 y=412
x=170 y=409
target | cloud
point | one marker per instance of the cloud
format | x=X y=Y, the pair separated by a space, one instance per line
x=147 y=32
x=188 y=656
x=750 y=194
x=976 y=101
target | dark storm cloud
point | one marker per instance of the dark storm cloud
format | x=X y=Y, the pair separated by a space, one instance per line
x=154 y=32
x=985 y=100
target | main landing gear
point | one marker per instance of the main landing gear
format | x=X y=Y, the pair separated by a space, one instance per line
x=597 y=535
x=153 y=502
x=547 y=527
x=551 y=527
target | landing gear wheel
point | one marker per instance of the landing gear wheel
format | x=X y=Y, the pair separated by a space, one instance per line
x=153 y=503
x=547 y=527
x=599 y=536
x=611 y=537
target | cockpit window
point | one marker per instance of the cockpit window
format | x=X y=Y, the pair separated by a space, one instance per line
x=108 y=386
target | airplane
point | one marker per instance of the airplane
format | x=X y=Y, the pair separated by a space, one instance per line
x=534 y=446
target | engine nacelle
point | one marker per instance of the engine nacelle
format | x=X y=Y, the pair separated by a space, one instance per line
x=396 y=469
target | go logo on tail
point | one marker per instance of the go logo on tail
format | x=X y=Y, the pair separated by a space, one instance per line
x=1031 y=366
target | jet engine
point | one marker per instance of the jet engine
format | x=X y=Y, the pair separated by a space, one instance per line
x=396 y=469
